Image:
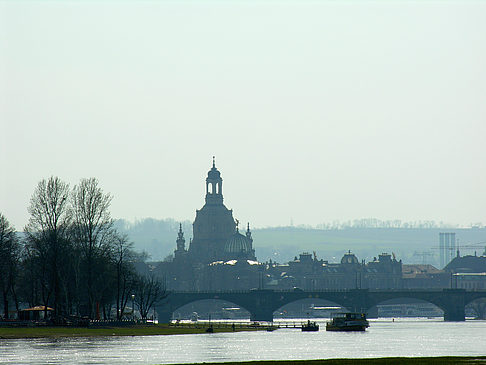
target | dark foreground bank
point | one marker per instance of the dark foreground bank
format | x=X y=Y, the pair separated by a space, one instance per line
x=449 y=360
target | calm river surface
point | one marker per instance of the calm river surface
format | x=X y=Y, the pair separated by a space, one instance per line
x=404 y=337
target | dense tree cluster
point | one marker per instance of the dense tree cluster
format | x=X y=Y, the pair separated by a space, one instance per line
x=71 y=258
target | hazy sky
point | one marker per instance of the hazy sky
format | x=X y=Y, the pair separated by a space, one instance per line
x=315 y=110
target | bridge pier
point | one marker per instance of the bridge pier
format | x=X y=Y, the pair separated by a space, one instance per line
x=260 y=304
x=261 y=315
x=453 y=305
x=163 y=315
x=454 y=313
x=372 y=312
x=357 y=300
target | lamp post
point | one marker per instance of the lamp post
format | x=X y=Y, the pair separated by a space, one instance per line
x=133 y=306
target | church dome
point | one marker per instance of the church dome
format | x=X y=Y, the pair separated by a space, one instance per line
x=214 y=174
x=238 y=243
x=349 y=258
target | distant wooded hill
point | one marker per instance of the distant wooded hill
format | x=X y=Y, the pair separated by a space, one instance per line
x=281 y=244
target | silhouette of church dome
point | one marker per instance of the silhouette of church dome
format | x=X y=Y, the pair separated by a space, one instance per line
x=349 y=258
x=214 y=173
x=237 y=244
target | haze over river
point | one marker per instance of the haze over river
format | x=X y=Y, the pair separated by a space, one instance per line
x=404 y=337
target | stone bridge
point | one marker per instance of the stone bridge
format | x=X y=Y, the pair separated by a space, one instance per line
x=262 y=303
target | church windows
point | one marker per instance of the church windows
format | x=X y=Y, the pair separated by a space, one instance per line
x=213 y=188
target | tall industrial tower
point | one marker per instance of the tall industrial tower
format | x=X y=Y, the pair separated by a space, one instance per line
x=447 y=247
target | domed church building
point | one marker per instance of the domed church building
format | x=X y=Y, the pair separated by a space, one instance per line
x=239 y=246
x=219 y=257
x=216 y=236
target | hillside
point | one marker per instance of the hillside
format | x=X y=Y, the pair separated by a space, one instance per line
x=281 y=244
x=366 y=243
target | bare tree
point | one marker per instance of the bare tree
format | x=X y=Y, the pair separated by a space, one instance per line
x=93 y=230
x=149 y=291
x=122 y=256
x=9 y=260
x=47 y=233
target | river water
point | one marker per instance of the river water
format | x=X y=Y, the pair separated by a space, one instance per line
x=403 y=337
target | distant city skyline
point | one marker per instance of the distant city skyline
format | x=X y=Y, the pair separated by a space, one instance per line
x=315 y=111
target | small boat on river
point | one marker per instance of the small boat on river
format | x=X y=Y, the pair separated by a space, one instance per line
x=310 y=327
x=348 y=322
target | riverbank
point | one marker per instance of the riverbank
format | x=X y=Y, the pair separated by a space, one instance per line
x=135 y=330
x=449 y=360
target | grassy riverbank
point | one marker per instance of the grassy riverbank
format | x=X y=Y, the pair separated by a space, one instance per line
x=449 y=360
x=135 y=330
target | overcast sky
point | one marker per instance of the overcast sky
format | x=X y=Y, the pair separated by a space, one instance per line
x=315 y=110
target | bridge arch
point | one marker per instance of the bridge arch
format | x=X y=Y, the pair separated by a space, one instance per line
x=451 y=301
x=382 y=297
x=476 y=306
x=472 y=296
x=176 y=301
x=308 y=307
x=210 y=308
x=406 y=306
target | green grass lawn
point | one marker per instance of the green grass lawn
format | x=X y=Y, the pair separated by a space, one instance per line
x=136 y=330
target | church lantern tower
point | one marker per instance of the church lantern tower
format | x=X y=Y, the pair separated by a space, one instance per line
x=214 y=186
x=214 y=223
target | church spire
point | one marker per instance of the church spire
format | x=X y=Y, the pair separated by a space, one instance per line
x=248 y=232
x=180 y=239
